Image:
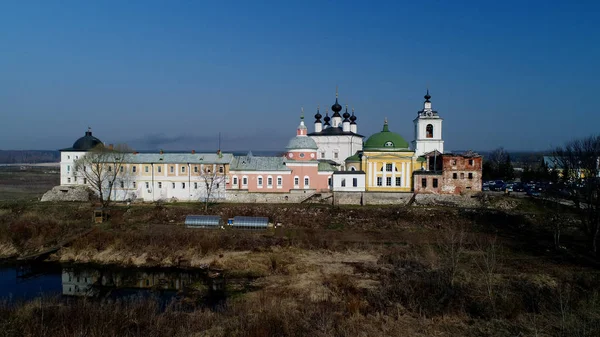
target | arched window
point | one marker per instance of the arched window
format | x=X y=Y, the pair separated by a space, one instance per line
x=352 y=168
x=429 y=131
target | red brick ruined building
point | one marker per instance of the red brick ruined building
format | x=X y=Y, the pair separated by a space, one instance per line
x=449 y=173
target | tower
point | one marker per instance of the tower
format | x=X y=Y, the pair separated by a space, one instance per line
x=336 y=118
x=428 y=129
x=318 y=124
x=346 y=121
x=353 y=126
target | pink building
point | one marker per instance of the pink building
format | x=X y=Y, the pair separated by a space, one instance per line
x=298 y=169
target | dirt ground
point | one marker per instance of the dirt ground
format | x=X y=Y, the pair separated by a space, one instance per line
x=27 y=182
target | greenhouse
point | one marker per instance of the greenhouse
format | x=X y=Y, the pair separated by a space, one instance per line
x=203 y=221
x=249 y=222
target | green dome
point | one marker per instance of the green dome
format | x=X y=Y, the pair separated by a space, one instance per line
x=386 y=141
x=302 y=143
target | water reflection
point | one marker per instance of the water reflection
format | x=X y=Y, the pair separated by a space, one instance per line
x=105 y=282
x=29 y=281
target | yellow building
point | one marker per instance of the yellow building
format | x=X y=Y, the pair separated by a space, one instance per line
x=388 y=162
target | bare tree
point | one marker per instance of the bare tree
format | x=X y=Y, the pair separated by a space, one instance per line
x=212 y=176
x=101 y=168
x=580 y=160
x=452 y=245
x=488 y=264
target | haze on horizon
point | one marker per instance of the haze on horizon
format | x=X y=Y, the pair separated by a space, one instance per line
x=172 y=75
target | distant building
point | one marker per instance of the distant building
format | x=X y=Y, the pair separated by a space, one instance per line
x=449 y=173
x=336 y=138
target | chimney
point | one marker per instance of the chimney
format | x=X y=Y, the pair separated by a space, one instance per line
x=161 y=151
x=193 y=151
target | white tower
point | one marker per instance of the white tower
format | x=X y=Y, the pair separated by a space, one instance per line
x=346 y=121
x=318 y=124
x=428 y=130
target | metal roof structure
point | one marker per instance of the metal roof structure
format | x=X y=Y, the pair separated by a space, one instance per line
x=203 y=221
x=179 y=158
x=252 y=163
x=250 y=222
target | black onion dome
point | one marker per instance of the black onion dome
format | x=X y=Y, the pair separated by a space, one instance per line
x=336 y=108
x=353 y=118
x=346 y=114
x=318 y=116
x=86 y=142
x=427 y=96
x=326 y=119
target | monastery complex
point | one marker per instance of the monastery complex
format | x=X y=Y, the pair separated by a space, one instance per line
x=332 y=159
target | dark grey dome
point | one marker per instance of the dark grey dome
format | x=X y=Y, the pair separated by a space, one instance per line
x=86 y=142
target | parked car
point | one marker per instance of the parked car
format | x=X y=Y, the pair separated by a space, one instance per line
x=499 y=185
x=533 y=191
x=518 y=187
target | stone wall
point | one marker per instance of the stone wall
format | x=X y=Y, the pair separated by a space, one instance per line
x=447 y=200
x=371 y=198
x=292 y=197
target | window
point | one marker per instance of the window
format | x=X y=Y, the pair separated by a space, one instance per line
x=388 y=144
x=279 y=181
x=306 y=182
x=159 y=184
x=453 y=162
x=148 y=185
x=195 y=186
x=269 y=181
x=245 y=181
x=435 y=183
x=462 y=175
x=354 y=182
x=235 y=180
x=379 y=181
x=301 y=155
x=133 y=169
x=84 y=168
x=221 y=169
x=68 y=168
x=429 y=131
x=159 y=169
x=121 y=169
x=335 y=155
x=470 y=175
x=110 y=169
x=343 y=182
x=76 y=157
x=183 y=185
x=218 y=185
x=259 y=181
x=68 y=157
x=322 y=154
x=134 y=185
x=424 y=182
x=470 y=162
x=195 y=169
x=352 y=168
x=296 y=181
x=75 y=178
x=388 y=167
x=69 y=180
x=183 y=169
x=329 y=181
x=398 y=181
x=146 y=168
x=454 y=176
x=172 y=169
x=85 y=180
x=388 y=181
x=173 y=185
x=122 y=184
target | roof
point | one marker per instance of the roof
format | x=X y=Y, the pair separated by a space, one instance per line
x=178 y=158
x=252 y=163
x=85 y=143
x=427 y=173
x=386 y=141
x=335 y=131
x=302 y=143
x=324 y=166
x=349 y=172
x=421 y=159
x=355 y=158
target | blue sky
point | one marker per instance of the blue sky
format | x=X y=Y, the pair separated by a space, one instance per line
x=173 y=74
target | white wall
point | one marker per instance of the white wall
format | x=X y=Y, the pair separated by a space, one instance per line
x=345 y=145
x=349 y=178
x=421 y=144
x=67 y=168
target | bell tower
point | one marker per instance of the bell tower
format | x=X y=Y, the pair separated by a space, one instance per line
x=428 y=129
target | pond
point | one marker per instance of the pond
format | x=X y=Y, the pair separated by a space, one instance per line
x=28 y=281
